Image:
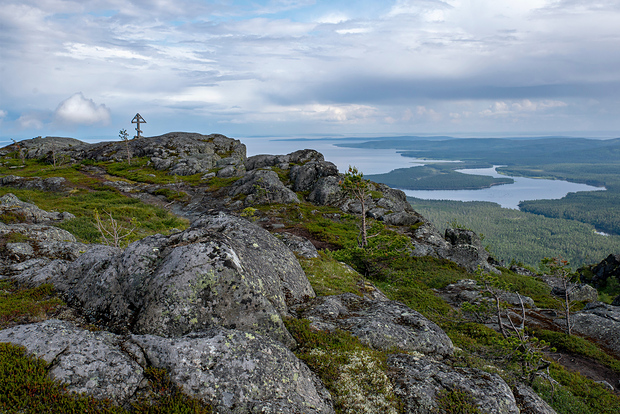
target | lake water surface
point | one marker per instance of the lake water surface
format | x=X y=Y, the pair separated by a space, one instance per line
x=379 y=161
x=506 y=195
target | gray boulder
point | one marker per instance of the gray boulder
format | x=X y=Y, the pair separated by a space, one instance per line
x=88 y=362
x=401 y=218
x=38 y=232
x=466 y=250
x=30 y=213
x=419 y=381
x=468 y=290
x=235 y=372
x=36 y=183
x=529 y=402
x=327 y=191
x=600 y=322
x=238 y=372
x=262 y=187
x=27 y=248
x=305 y=176
x=222 y=271
x=298 y=245
x=381 y=324
x=297 y=157
x=577 y=292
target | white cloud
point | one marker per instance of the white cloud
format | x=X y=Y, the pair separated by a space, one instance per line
x=30 y=121
x=79 y=110
x=501 y=108
x=333 y=18
x=427 y=113
x=3 y=114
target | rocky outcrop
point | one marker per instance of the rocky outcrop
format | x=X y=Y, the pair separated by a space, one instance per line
x=577 y=292
x=27 y=212
x=305 y=176
x=420 y=382
x=609 y=267
x=298 y=245
x=600 y=322
x=238 y=372
x=88 y=362
x=222 y=271
x=466 y=250
x=283 y=161
x=35 y=183
x=461 y=246
x=468 y=290
x=529 y=402
x=28 y=247
x=384 y=325
x=44 y=147
x=235 y=372
x=262 y=187
x=181 y=153
x=391 y=207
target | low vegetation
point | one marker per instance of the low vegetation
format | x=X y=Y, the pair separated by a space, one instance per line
x=354 y=374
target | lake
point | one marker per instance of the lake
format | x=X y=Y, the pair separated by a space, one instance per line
x=378 y=161
x=506 y=195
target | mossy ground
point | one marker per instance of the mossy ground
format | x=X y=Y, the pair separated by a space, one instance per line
x=354 y=374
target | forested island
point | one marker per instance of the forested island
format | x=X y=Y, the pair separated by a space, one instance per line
x=437 y=177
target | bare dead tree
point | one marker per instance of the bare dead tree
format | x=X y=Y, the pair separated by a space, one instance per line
x=112 y=232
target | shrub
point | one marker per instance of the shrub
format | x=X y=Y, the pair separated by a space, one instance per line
x=456 y=402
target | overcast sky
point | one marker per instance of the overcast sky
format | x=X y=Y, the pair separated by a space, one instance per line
x=84 y=68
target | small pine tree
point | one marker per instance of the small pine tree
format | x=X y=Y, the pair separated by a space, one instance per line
x=355 y=185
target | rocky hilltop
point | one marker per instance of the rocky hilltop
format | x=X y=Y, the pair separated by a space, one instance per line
x=262 y=301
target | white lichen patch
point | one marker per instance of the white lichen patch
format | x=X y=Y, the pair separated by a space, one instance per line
x=363 y=386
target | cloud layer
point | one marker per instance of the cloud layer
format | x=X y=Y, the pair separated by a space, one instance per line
x=301 y=66
x=78 y=110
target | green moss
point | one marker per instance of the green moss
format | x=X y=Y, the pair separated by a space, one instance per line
x=12 y=217
x=329 y=276
x=456 y=402
x=354 y=374
x=22 y=305
x=577 y=345
x=167 y=397
x=170 y=194
x=150 y=219
x=217 y=183
x=25 y=387
x=597 y=397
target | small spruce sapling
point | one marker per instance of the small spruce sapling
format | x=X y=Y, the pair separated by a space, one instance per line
x=355 y=185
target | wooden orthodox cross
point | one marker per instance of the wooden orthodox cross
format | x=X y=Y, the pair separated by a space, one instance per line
x=137 y=120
